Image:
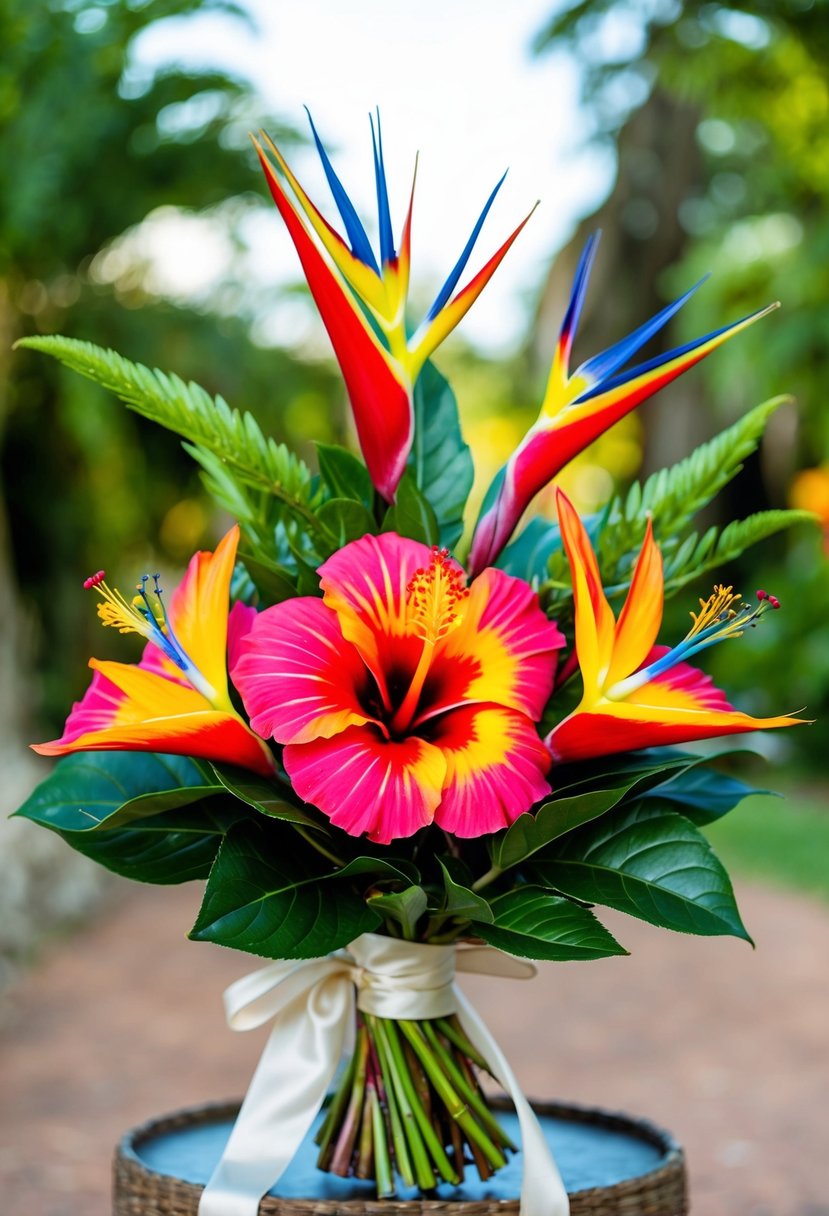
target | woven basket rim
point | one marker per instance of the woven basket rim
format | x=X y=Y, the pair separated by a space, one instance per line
x=672 y=1160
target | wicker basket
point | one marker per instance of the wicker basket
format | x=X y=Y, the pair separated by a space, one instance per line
x=140 y=1191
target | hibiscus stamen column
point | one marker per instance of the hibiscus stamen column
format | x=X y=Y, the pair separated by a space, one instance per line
x=433 y=597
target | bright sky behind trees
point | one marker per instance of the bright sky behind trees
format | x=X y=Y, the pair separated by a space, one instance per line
x=456 y=81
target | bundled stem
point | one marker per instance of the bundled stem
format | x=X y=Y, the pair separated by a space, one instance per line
x=409 y=1104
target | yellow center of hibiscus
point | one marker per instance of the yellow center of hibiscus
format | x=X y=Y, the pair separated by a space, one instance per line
x=433 y=608
x=434 y=597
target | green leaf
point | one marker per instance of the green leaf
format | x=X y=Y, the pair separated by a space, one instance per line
x=532 y=831
x=345 y=520
x=650 y=863
x=174 y=847
x=716 y=550
x=528 y=555
x=406 y=907
x=273 y=582
x=576 y=800
x=412 y=515
x=674 y=496
x=344 y=475
x=258 y=902
x=671 y=498
x=651 y=764
x=463 y=903
x=91 y=791
x=153 y=818
x=190 y=411
x=703 y=794
x=532 y=923
x=397 y=868
x=263 y=795
x=440 y=460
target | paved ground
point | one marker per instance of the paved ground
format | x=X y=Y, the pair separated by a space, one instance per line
x=726 y=1046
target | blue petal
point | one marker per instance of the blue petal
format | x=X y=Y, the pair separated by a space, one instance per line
x=603 y=365
x=387 y=253
x=607 y=386
x=360 y=245
x=458 y=269
x=571 y=317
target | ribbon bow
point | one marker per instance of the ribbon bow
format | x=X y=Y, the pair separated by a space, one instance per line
x=311 y=1003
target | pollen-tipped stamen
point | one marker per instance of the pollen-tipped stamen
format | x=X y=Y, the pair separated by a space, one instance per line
x=434 y=597
x=148 y=620
x=717 y=620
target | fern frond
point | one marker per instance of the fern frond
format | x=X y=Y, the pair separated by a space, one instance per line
x=672 y=497
x=209 y=423
x=717 y=548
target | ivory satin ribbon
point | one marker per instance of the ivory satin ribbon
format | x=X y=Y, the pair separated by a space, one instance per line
x=311 y=1003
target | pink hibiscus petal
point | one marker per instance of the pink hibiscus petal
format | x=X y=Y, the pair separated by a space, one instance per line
x=367 y=784
x=299 y=680
x=239 y=624
x=505 y=644
x=365 y=584
x=495 y=768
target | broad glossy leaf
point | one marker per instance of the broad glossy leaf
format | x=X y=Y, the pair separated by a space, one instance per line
x=406 y=907
x=440 y=460
x=527 y=556
x=462 y=902
x=532 y=831
x=88 y=791
x=703 y=794
x=650 y=863
x=264 y=901
x=346 y=520
x=394 y=867
x=411 y=514
x=579 y=799
x=175 y=847
x=274 y=583
x=650 y=766
x=263 y=795
x=344 y=475
x=532 y=923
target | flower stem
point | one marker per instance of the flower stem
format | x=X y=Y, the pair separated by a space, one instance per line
x=450 y=1028
x=387 y=1095
x=424 y=1123
x=341 y=1158
x=492 y=873
x=457 y=1108
x=409 y=1102
x=336 y=1110
x=311 y=838
x=424 y=1173
x=464 y=1088
x=382 y=1160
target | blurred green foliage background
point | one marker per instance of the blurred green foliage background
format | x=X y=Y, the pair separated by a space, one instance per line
x=719 y=120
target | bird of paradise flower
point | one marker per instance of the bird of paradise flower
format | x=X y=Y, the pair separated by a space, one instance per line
x=581 y=405
x=637 y=694
x=176 y=699
x=363 y=302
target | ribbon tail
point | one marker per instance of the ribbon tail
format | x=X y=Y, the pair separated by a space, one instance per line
x=542 y=1190
x=285 y=1095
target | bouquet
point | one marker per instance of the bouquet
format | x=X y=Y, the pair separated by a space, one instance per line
x=386 y=747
